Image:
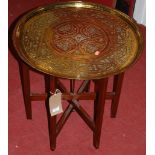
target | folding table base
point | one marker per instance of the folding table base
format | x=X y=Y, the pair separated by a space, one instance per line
x=99 y=96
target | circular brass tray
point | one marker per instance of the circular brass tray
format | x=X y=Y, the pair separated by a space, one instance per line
x=77 y=40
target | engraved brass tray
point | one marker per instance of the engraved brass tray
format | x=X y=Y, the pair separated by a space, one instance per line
x=78 y=40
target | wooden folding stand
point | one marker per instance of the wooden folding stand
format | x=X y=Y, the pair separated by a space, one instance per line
x=99 y=96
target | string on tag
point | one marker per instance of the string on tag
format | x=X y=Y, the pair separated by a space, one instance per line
x=56 y=91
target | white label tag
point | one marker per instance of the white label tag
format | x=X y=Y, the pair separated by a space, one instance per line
x=55 y=104
x=55 y=109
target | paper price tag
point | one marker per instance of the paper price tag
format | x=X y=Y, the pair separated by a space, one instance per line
x=55 y=104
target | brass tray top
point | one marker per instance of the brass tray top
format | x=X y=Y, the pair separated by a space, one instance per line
x=78 y=40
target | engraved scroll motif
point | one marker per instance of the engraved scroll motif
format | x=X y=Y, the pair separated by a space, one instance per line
x=63 y=42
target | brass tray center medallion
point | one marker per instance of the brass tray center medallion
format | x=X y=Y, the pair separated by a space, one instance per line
x=78 y=39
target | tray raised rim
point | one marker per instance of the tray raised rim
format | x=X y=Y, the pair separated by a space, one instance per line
x=41 y=9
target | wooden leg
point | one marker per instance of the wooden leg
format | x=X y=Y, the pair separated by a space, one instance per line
x=50 y=85
x=87 y=89
x=47 y=90
x=53 y=118
x=118 y=81
x=100 y=89
x=25 y=81
x=72 y=86
x=53 y=132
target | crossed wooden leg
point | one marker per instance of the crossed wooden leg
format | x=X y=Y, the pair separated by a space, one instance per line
x=95 y=124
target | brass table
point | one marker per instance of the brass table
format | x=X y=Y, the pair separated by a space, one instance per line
x=76 y=41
